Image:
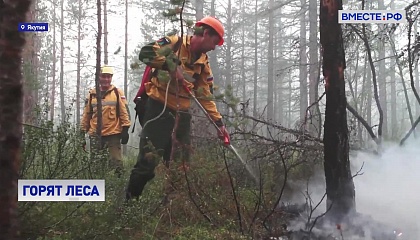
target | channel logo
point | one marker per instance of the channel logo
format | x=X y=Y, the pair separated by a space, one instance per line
x=52 y=190
x=33 y=27
x=371 y=16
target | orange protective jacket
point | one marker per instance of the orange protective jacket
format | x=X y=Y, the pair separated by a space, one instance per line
x=202 y=86
x=111 y=124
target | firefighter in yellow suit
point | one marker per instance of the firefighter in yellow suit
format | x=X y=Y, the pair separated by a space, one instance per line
x=115 y=118
x=194 y=71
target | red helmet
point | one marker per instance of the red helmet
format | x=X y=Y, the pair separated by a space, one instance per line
x=215 y=24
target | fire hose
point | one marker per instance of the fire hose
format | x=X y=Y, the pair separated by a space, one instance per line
x=226 y=139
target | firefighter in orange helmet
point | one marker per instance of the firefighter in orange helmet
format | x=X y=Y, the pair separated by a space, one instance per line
x=115 y=119
x=164 y=101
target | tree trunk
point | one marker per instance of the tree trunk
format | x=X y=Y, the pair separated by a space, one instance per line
x=373 y=78
x=382 y=77
x=401 y=73
x=368 y=91
x=411 y=60
x=29 y=71
x=355 y=94
x=54 y=62
x=339 y=182
x=375 y=84
x=255 y=87
x=213 y=57
x=124 y=147
x=303 y=71
x=243 y=77
x=355 y=110
x=280 y=73
x=98 y=71
x=313 y=68
x=363 y=98
x=228 y=45
x=213 y=54
x=276 y=64
x=416 y=70
x=62 y=104
x=394 y=122
x=199 y=7
x=289 y=107
x=11 y=45
x=36 y=61
x=79 y=23
x=105 y=34
x=270 y=59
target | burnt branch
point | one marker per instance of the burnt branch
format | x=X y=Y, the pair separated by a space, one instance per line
x=409 y=132
x=359 y=172
x=363 y=122
x=300 y=134
x=312 y=105
x=235 y=198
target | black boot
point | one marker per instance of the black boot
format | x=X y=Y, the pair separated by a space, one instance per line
x=118 y=172
x=136 y=185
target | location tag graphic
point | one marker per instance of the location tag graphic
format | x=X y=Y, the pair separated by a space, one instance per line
x=21 y=27
x=33 y=27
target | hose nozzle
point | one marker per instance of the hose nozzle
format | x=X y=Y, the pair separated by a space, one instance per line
x=226 y=139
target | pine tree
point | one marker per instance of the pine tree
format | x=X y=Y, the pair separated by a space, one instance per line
x=11 y=106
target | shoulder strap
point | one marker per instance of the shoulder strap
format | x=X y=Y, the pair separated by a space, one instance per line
x=118 y=101
x=90 y=103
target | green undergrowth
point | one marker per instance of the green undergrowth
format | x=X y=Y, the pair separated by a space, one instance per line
x=215 y=199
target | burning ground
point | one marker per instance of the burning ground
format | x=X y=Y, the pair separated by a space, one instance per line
x=387 y=199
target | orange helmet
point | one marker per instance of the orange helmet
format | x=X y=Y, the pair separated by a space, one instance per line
x=215 y=24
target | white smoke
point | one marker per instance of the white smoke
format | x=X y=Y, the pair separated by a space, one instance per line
x=389 y=189
x=387 y=192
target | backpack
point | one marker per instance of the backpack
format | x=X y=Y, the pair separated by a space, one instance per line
x=141 y=97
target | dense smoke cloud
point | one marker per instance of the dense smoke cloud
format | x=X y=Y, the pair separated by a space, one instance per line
x=388 y=190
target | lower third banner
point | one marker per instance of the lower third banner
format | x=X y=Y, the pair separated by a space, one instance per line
x=57 y=190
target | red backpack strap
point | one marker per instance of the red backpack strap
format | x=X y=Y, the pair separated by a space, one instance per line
x=147 y=75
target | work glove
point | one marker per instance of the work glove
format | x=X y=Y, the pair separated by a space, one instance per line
x=223 y=134
x=124 y=135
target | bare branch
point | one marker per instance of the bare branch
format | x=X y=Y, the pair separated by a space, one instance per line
x=363 y=122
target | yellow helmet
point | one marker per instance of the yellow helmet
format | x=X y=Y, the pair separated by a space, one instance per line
x=108 y=70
